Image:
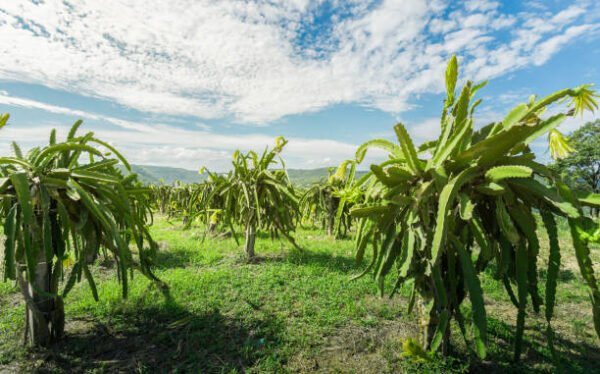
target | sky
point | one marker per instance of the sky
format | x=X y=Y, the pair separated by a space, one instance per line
x=184 y=83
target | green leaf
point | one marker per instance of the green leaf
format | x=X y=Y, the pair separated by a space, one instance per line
x=499 y=173
x=384 y=178
x=499 y=144
x=31 y=253
x=549 y=195
x=10 y=227
x=104 y=164
x=368 y=211
x=481 y=238
x=408 y=250
x=46 y=229
x=74 y=129
x=515 y=115
x=370 y=266
x=17 y=150
x=446 y=201
x=545 y=127
x=408 y=148
x=526 y=223
x=440 y=330
x=584 y=260
x=383 y=144
x=477 y=87
x=552 y=273
x=451 y=78
x=445 y=150
x=462 y=106
x=390 y=250
x=363 y=235
x=522 y=287
x=90 y=176
x=73 y=276
x=491 y=189
x=399 y=174
x=59 y=149
x=476 y=297
x=588 y=198
x=506 y=223
x=20 y=182
x=4 y=119
x=466 y=207
x=90 y=279
x=14 y=161
x=338 y=215
x=90 y=204
x=114 y=151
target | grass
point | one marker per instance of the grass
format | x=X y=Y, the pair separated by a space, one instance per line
x=290 y=312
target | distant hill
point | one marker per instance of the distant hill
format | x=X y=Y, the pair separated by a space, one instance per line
x=306 y=177
x=154 y=174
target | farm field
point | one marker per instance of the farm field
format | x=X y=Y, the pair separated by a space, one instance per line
x=299 y=186
x=286 y=311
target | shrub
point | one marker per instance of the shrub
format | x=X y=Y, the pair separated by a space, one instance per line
x=442 y=220
x=55 y=207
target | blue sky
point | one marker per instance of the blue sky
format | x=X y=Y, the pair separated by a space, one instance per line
x=184 y=83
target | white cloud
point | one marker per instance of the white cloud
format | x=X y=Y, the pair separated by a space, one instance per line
x=481 y=5
x=242 y=59
x=546 y=49
x=33 y=104
x=426 y=130
x=162 y=144
x=190 y=149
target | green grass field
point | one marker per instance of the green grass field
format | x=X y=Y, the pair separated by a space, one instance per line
x=291 y=311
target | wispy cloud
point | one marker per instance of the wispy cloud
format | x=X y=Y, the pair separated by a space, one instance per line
x=162 y=144
x=6 y=99
x=246 y=60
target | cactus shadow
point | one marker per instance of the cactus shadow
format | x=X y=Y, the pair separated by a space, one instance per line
x=162 y=339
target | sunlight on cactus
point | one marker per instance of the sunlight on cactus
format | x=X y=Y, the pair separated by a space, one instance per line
x=487 y=189
x=559 y=145
x=584 y=99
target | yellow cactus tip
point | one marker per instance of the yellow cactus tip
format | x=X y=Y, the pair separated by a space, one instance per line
x=411 y=349
x=584 y=99
x=280 y=142
x=559 y=145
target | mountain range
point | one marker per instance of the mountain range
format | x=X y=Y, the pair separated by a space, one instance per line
x=168 y=175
